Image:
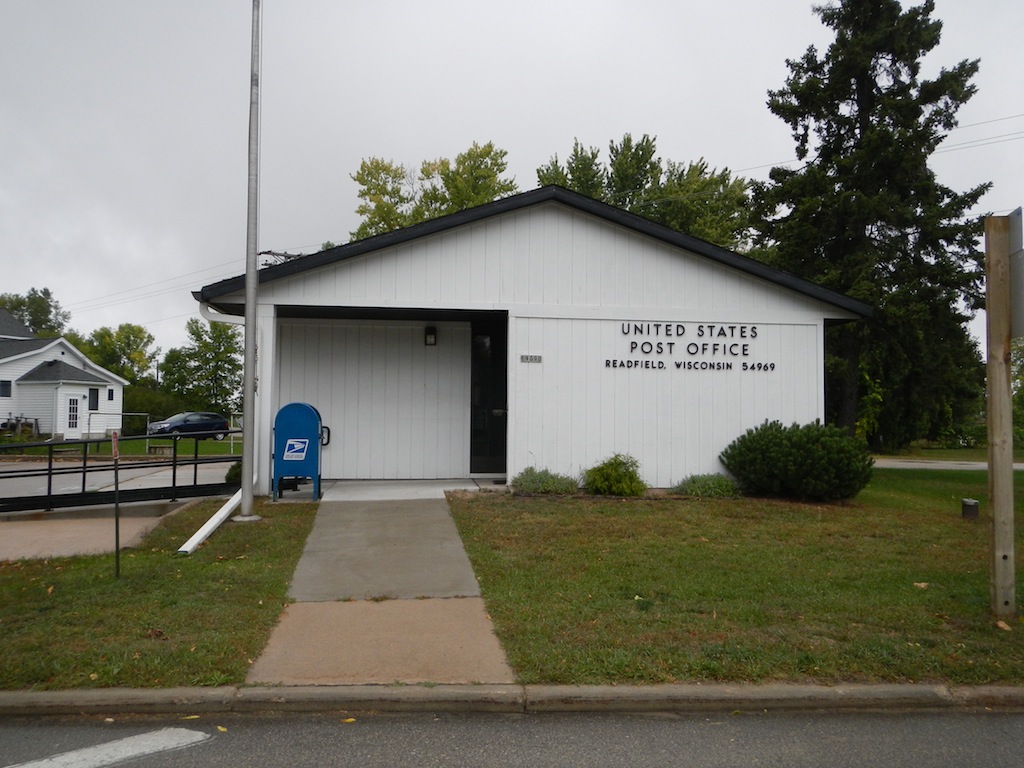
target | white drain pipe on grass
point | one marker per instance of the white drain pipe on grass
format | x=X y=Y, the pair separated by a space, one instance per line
x=212 y=524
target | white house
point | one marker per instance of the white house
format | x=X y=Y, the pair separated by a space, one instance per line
x=51 y=383
x=544 y=329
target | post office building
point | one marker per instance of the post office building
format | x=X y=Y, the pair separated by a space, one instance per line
x=545 y=329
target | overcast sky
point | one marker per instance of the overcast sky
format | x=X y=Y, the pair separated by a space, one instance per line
x=124 y=123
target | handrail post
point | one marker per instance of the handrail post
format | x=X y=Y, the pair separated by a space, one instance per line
x=174 y=467
x=49 y=478
x=85 y=462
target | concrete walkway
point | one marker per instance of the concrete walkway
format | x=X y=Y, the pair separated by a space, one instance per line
x=384 y=594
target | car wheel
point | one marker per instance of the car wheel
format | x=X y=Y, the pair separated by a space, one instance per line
x=219 y=436
x=175 y=435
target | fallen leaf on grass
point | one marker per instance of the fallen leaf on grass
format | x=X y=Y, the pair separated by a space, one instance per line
x=1003 y=626
x=349 y=720
x=222 y=729
x=921 y=584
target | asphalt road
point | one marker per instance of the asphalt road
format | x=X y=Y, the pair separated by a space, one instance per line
x=918 y=740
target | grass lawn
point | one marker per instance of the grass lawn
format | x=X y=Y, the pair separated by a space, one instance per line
x=169 y=620
x=890 y=587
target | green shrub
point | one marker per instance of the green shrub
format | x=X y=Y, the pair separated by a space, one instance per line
x=234 y=474
x=814 y=462
x=533 y=480
x=707 y=486
x=617 y=476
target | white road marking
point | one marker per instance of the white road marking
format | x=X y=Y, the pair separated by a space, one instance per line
x=120 y=750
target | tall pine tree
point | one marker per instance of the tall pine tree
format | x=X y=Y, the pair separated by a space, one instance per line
x=866 y=215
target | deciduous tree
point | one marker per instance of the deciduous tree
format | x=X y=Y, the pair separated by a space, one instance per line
x=690 y=197
x=126 y=350
x=206 y=373
x=392 y=197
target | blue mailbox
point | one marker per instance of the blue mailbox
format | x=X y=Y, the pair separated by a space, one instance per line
x=298 y=437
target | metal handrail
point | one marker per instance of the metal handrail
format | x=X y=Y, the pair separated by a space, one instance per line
x=96 y=462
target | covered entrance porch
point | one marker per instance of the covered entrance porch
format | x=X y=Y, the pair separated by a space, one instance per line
x=410 y=394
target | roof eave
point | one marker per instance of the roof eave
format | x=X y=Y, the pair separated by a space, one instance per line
x=210 y=293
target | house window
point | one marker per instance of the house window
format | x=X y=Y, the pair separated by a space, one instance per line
x=94 y=398
x=110 y=395
x=73 y=413
x=5 y=388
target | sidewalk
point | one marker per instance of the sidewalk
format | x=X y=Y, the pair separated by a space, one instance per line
x=384 y=594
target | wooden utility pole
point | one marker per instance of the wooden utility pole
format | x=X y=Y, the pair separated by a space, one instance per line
x=998 y=308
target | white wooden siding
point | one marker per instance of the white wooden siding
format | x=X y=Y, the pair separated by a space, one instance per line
x=35 y=401
x=545 y=261
x=571 y=410
x=397 y=409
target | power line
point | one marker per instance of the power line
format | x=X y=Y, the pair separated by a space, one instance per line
x=982 y=142
x=1006 y=137
x=169 y=285
x=155 y=283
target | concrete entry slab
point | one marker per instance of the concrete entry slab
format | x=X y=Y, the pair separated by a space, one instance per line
x=389 y=490
x=393 y=641
x=383 y=549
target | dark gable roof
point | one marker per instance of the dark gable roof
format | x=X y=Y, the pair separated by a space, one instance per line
x=13 y=347
x=12 y=328
x=57 y=370
x=210 y=293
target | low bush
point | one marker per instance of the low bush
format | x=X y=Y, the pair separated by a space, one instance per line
x=234 y=474
x=532 y=480
x=617 y=476
x=707 y=486
x=813 y=462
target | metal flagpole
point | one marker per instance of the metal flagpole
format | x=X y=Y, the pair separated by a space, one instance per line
x=251 y=280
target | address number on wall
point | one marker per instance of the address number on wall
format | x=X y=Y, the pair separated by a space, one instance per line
x=529 y=358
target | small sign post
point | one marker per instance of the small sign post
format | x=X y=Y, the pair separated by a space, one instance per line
x=115 y=449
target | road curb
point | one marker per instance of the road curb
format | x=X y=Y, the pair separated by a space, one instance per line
x=724 y=697
x=531 y=699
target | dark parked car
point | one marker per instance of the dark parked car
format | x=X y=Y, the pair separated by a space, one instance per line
x=191 y=421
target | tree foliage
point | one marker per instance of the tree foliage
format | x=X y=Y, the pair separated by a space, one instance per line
x=866 y=216
x=393 y=197
x=692 y=198
x=38 y=310
x=207 y=372
x=126 y=350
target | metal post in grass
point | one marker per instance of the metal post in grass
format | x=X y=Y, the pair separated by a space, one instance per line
x=251 y=283
x=999 y=300
x=114 y=449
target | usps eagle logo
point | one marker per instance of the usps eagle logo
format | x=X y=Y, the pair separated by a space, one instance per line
x=295 y=448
